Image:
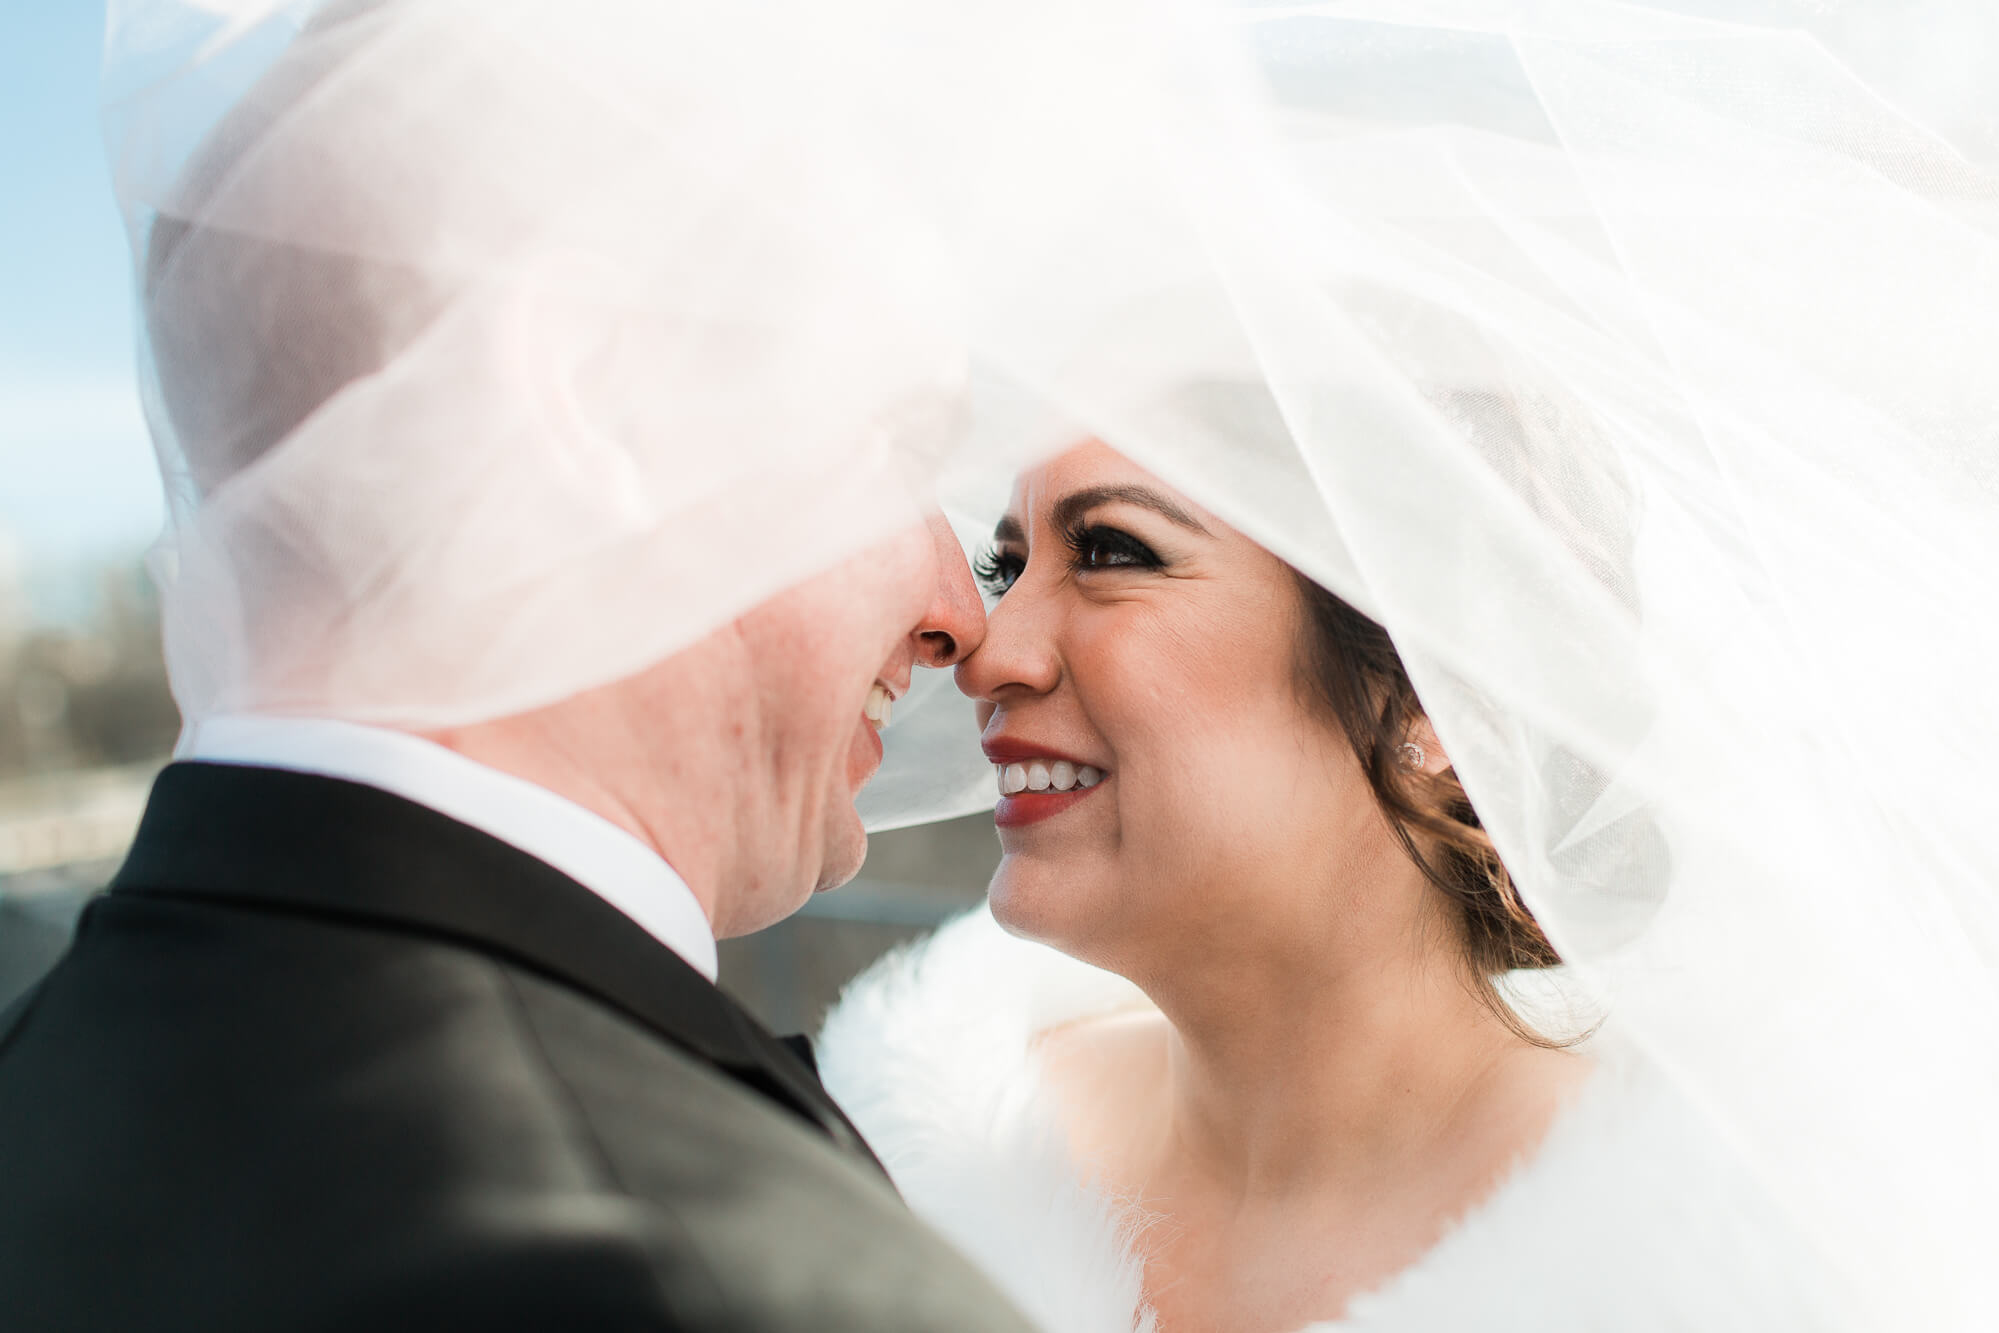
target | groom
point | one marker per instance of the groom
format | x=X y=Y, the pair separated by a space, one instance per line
x=418 y=1029
x=377 y=1030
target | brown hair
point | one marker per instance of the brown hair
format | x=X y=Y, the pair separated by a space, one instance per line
x=1348 y=664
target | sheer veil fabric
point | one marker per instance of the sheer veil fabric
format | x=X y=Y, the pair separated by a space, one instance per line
x=1630 y=362
x=470 y=327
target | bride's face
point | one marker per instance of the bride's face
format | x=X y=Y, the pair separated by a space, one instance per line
x=1137 y=640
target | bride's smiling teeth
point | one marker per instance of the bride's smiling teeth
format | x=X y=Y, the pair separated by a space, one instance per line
x=1036 y=775
x=881 y=706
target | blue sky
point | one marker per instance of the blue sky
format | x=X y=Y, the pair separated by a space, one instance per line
x=77 y=484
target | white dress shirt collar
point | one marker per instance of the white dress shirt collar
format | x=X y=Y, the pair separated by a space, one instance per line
x=588 y=848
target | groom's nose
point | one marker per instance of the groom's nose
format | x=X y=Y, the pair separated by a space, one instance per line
x=955 y=621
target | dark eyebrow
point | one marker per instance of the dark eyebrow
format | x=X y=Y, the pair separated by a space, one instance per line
x=1074 y=505
x=1008 y=529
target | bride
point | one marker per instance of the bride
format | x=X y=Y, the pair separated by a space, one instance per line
x=1278 y=856
x=1488 y=680
x=1313 y=1100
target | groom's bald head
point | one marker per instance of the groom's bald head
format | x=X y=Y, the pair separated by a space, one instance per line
x=250 y=336
x=250 y=331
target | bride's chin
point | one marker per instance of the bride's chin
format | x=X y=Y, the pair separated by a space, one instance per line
x=1005 y=906
x=1043 y=905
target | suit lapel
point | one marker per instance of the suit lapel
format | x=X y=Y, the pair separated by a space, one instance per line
x=341 y=849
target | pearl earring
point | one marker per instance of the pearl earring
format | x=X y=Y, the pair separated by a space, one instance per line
x=1410 y=754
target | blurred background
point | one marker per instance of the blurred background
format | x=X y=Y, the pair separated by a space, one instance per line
x=85 y=716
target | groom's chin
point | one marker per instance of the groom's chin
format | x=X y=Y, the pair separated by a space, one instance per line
x=846 y=847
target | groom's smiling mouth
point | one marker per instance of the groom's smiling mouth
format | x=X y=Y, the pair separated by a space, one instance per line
x=866 y=755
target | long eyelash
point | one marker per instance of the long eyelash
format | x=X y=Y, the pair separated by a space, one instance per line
x=1082 y=536
x=986 y=566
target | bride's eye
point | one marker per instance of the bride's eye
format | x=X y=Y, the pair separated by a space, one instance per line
x=1098 y=547
x=996 y=570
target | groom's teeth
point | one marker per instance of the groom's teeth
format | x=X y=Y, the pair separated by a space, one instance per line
x=881 y=706
x=1036 y=775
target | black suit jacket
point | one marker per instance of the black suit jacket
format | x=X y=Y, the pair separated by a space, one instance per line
x=324 y=1058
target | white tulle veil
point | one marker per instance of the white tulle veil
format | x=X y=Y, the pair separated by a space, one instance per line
x=1632 y=363
x=472 y=327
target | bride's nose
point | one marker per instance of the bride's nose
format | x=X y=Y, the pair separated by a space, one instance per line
x=1019 y=654
x=954 y=624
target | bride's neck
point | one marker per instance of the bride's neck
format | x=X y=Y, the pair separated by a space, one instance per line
x=1283 y=1074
